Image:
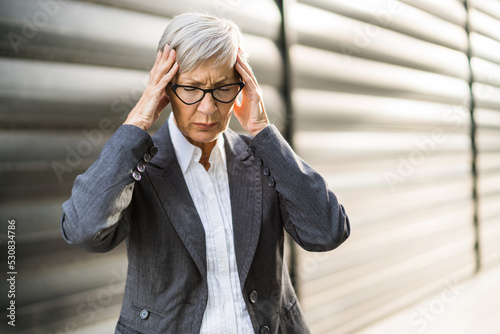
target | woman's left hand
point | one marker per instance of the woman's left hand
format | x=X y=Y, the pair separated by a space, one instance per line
x=250 y=112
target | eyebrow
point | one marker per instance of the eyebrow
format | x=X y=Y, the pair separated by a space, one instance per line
x=199 y=83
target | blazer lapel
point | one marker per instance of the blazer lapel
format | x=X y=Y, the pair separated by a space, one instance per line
x=168 y=182
x=245 y=188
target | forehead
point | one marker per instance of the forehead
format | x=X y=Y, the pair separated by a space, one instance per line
x=207 y=74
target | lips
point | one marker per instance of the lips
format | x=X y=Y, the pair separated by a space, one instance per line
x=205 y=126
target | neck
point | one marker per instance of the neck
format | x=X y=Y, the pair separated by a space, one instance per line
x=206 y=150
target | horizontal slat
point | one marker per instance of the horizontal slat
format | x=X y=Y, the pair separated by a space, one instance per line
x=484 y=24
x=323 y=111
x=485 y=72
x=487 y=118
x=487 y=6
x=449 y=10
x=484 y=47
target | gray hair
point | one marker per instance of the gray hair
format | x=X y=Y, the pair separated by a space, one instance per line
x=198 y=38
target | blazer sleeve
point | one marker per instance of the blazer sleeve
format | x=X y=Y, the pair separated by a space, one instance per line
x=96 y=217
x=311 y=212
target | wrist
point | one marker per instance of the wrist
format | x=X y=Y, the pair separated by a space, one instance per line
x=258 y=129
x=137 y=123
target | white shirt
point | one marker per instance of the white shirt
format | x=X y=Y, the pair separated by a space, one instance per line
x=226 y=311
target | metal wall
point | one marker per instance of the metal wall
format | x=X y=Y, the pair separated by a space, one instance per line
x=381 y=100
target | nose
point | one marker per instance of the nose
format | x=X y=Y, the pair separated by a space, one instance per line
x=207 y=104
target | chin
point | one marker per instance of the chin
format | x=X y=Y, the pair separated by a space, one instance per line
x=204 y=137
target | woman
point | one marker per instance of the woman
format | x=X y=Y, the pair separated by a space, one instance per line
x=202 y=208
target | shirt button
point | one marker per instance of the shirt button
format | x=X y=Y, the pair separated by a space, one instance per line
x=253 y=296
x=250 y=151
x=265 y=330
x=266 y=171
x=258 y=161
x=136 y=176
x=146 y=157
x=211 y=197
x=141 y=167
x=271 y=182
x=219 y=228
x=144 y=314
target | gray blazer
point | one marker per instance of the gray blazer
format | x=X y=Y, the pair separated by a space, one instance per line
x=271 y=190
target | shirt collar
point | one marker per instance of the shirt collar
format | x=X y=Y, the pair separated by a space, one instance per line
x=185 y=151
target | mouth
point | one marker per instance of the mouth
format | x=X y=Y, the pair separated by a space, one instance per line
x=206 y=126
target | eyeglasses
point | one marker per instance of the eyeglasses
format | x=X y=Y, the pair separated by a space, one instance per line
x=191 y=95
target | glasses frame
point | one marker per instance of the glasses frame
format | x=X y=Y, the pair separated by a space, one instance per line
x=174 y=87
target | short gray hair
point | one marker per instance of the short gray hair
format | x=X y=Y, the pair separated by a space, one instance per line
x=198 y=38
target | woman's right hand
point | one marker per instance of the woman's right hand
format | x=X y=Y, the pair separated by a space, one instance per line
x=154 y=99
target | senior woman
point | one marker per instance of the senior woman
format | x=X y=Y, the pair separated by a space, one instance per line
x=202 y=209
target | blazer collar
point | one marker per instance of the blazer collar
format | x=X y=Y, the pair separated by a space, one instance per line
x=168 y=181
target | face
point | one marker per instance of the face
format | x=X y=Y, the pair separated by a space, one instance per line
x=205 y=120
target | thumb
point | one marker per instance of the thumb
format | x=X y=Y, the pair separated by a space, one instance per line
x=237 y=105
x=163 y=102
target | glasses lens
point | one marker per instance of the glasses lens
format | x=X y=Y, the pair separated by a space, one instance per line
x=226 y=93
x=189 y=94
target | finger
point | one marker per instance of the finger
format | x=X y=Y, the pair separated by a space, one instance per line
x=246 y=66
x=250 y=85
x=160 y=54
x=162 y=103
x=169 y=61
x=169 y=75
x=163 y=66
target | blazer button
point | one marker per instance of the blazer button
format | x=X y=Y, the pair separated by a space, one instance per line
x=153 y=151
x=271 y=182
x=266 y=171
x=250 y=151
x=253 y=296
x=146 y=157
x=136 y=176
x=265 y=330
x=258 y=161
x=144 y=314
x=141 y=167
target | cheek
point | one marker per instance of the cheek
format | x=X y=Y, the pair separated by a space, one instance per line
x=227 y=110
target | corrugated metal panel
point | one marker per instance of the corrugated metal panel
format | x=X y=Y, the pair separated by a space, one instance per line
x=381 y=106
x=71 y=72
